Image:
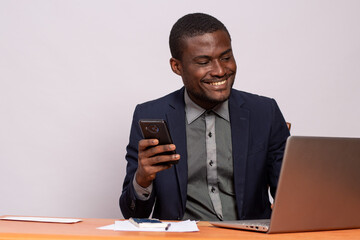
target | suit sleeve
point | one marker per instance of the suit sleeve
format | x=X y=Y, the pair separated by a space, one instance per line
x=130 y=205
x=278 y=136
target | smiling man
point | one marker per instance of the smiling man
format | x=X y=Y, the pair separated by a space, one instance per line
x=207 y=67
x=229 y=144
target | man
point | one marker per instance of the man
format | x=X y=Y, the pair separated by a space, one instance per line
x=229 y=144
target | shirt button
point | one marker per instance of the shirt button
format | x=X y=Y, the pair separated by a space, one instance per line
x=210 y=134
x=213 y=189
x=211 y=163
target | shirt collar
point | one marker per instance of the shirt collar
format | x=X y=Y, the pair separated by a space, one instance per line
x=193 y=111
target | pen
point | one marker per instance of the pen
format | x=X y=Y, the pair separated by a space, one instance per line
x=167 y=227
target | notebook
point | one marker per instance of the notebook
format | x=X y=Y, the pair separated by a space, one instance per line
x=318 y=189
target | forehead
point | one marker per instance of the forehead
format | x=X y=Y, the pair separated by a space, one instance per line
x=208 y=44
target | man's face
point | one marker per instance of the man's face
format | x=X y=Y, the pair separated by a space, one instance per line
x=207 y=68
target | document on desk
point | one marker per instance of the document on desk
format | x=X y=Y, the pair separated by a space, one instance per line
x=42 y=219
x=183 y=226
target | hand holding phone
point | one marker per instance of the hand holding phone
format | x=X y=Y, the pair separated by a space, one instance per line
x=157 y=129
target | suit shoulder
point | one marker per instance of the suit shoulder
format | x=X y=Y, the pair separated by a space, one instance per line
x=251 y=98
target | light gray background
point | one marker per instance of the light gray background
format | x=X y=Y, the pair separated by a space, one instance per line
x=71 y=73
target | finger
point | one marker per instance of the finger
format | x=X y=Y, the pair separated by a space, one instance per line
x=161 y=160
x=161 y=149
x=146 y=143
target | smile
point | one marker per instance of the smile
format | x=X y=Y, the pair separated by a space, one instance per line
x=217 y=83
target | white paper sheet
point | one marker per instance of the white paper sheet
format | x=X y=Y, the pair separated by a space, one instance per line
x=183 y=226
x=41 y=219
x=107 y=227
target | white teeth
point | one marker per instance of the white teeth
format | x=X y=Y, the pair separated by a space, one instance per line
x=217 y=83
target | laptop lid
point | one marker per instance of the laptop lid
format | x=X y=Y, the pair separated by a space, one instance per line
x=319 y=188
x=319 y=185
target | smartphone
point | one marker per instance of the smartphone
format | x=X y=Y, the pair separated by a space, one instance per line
x=157 y=128
x=148 y=223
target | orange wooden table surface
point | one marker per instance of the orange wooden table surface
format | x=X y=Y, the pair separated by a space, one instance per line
x=87 y=229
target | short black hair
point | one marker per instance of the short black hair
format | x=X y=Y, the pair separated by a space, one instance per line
x=191 y=25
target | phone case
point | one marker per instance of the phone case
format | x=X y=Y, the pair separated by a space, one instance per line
x=157 y=128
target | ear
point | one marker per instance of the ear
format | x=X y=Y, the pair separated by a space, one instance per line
x=176 y=66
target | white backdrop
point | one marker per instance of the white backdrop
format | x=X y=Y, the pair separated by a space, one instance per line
x=71 y=73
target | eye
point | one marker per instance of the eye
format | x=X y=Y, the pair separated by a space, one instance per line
x=227 y=58
x=203 y=62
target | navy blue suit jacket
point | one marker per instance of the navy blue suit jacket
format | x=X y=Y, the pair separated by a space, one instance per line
x=258 y=132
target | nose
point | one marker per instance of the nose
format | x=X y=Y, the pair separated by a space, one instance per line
x=218 y=69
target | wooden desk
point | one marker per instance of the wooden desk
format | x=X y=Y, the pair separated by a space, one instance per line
x=87 y=230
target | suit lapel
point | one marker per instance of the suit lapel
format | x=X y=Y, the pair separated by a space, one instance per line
x=239 y=119
x=176 y=121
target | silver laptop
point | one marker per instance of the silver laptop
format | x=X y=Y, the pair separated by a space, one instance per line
x=318 y=189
